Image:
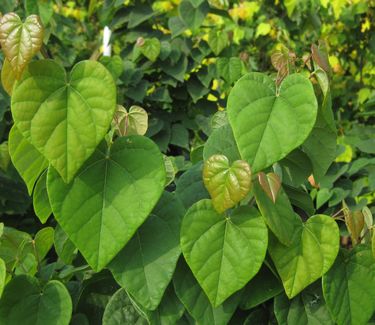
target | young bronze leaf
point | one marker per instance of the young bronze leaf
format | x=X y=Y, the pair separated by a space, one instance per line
x=270 y=184
x=19 y=40
x=226 y=184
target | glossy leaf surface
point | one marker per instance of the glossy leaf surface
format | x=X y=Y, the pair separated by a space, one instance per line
x=227 y=184
x=312 y=252
x=224 y=253
x=268 y=125
x=64 y=117
x=19 y=40
x=143 y=268
x=110 y=198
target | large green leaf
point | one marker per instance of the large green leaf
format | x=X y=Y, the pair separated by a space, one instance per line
x=279 y=216
x=64 y=117
x=349 y=286
x=223 y=252
x=196 y=301
x=110 y=197
x=24 y=301
x=120 y=310
x=19 y=40
x=227 y=184
x=28 y=161
x=269 y=123
x=312 y=252
x=145 y=266
x=307 y=308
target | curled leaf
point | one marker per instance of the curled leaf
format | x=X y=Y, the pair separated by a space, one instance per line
x=270 y=184
x=226 y=184
x=355 y=222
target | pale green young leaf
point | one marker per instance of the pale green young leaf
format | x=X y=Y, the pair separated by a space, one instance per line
x=227 y=184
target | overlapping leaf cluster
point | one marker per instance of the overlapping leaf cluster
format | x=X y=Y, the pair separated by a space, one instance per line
x=169 y=183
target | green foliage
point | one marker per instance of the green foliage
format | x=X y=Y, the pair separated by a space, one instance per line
x=216 y=168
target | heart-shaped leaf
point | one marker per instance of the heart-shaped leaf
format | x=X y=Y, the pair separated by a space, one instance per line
x=19 y=40
x=311 y=254
x=349 y=286
x=130 y=123
x=24 y=301
x=110 y=198
x=28 y=161
x=271 y=184
x=143 y=268
x=150 y=48
x=227 y=184
x=268 y=125
x=224 y=253
x=64 y=117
